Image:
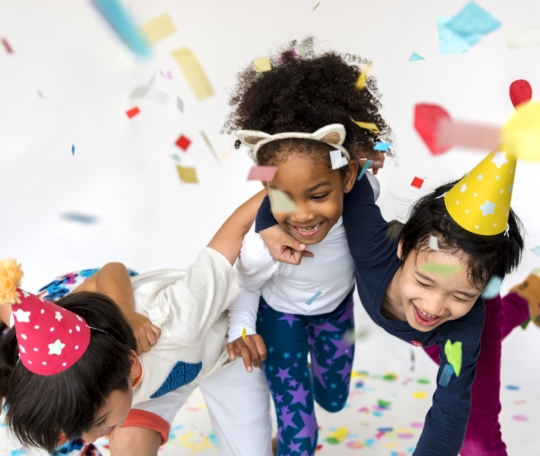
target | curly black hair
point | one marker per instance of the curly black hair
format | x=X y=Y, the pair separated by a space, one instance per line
x=306 y=90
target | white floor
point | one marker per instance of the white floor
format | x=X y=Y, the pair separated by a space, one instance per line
x=370 y=429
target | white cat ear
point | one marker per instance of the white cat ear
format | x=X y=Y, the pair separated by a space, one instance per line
x=331 y=134
x=251 y=138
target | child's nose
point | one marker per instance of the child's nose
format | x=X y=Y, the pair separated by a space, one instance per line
x=434 y=305
x=302 y=214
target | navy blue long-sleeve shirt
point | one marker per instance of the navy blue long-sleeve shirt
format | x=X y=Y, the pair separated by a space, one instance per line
x=376 y=262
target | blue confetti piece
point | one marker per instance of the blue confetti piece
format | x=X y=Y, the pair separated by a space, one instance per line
x=364 y=169
x=473 y=20
x=315 y=296
x=415 y=57
x=492 y=288
x=377 y=413
x=382 y=146
x=512 y=387
x=80 y=218
x=176 y=158
x=73 y=149
x=536 y=250
x=385 y=429
x=123 y=25
x=40 y=94
x=449 y=41
x=446 y=375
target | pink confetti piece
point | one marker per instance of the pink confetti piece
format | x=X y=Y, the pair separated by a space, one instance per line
x=262 y=173
x=405 y=436
x=520 y=418
x=452 y=133
x=7 y=47
x=416 y=425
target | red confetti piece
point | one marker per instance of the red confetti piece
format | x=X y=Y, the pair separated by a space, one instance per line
x=417 y=182
x=8 y=48
x=183 y=142
x=426 y=122
x=520 y=92
x=133 y=112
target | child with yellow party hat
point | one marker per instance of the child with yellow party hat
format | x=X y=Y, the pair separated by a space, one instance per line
x=426 y=289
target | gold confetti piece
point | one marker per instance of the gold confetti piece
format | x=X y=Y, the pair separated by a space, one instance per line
x=193 y=72
x=367 y=126
x=158 y=28
x=316 y=6
x=244 y=334
x=210 y=146
x=262 y=65
x=281 y=202
x=362 y=77
x=187 y=174
x=419 y=395
x=440 y=269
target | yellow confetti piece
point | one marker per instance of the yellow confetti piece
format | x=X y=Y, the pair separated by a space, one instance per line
x=194 y=73
x=158 y=28
x=367 y=126
x=262 y=65
x=362 y=77
x=281 y=202
x=187 y=436
x=244 y=334
x=440 y=269
x=187 y=174
x=521 y=134
x=453 y=354
x=391 y=445
x=419 y=395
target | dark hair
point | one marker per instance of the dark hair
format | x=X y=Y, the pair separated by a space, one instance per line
x=306 y=91
x=41 y=408
x=487 y=256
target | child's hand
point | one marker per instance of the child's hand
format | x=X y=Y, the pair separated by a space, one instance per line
x=144 y=331
x=282 y=246
x=252 y=350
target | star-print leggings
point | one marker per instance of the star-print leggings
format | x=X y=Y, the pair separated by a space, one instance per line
x=294 y=384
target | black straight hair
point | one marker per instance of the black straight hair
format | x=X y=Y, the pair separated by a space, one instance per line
x=42 y=408
x=487 y=256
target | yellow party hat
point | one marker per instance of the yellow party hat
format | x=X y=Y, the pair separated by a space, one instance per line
x=480 y=202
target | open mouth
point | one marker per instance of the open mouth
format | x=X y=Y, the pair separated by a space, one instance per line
x=307 y=231
x=423 y=318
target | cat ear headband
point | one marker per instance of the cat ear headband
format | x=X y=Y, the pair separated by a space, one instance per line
x=334 y=135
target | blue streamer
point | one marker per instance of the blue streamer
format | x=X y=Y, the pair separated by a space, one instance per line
x=364 y=169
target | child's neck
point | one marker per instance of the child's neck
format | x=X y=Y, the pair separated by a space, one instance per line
x=392 y=307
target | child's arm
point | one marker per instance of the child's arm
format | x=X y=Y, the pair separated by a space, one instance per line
x=113 y=281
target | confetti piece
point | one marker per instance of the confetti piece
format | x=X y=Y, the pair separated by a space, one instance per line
x=426 y=122
x=176 y=158
x=453 y=355
x=423 y=381
x=404 y=435
x=492 y=288
x=471 y=21
x=521 y=135
x=382 y=146
x=262 y=173
x=433 y=243
x=512 y=387
x=114 y=13
x=452 y=133
x=520 y=418
x=7 y=47
x=187 y=174
x=280 y=202
x=417 y=182
x=419 y=395
x=523 y=37
x=536 y=250
x=520 y=92
x=521 y=402
x=193 y=73
x=315 y=296
x=166 y=76
x=440 y=269
x=73 y=149
x=316 y=6
x=210 y=146
x=183 y=142
x=244 y=334
x=416 y=425
x=446 y=375
x=367 y=126
x=366 y=166
x=133 y=112
x=383 y=404
x=141 y=91
x=337 y=436
x=158 y=28
x=180 y=104
x=337 y=160
x=80 y=218
x=415 y=57
x=449 y=41
x=262 y=65
x=40 y=94
x=362 y=77
x=390 y=377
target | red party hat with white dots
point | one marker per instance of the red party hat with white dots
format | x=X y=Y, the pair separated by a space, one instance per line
x=51 y=339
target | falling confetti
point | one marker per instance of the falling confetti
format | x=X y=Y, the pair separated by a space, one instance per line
x=187 y=174
x=316 y=6
x=73 y=149
x=281 y=202
x=159 y=28
x=492 y=288
x=7 y=47
x=180 y=104
x=366 y=166
x=80 y=218
x=419 y=395
x=536 y=250
x=194 y=73
x=133 y=112
x=415 y=57
x=183 y=142
x=210 y=146
x=433 y=243
x=244 y=334
x=512 y=387
x=417 y=182
x=262 y=173
x=262 y=65
x=382 y=146
x=367 y=126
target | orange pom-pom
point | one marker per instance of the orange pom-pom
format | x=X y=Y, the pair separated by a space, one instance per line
x=10 y=278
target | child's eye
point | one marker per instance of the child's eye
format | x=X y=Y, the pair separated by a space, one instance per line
x=101 y=423
x=459 y=299
x=425 y=285
x=319 y=197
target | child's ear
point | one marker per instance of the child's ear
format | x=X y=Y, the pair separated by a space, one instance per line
x=350 y=176
x=136 y=367
x=400 y=250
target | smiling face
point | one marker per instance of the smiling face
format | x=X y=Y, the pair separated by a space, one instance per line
x=431 y=299
x=316 y=190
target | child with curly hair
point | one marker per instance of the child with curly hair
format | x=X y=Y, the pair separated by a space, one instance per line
x=307 y=309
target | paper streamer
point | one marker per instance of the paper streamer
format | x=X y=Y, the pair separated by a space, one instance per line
x=446 y=375
x=210 y=146
x=262 y=173
x=453 y=352
x=194 y=73
x=366 y=166
x=158 y=28
x=122 y=24
x=315 y=296
x=280 y=201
